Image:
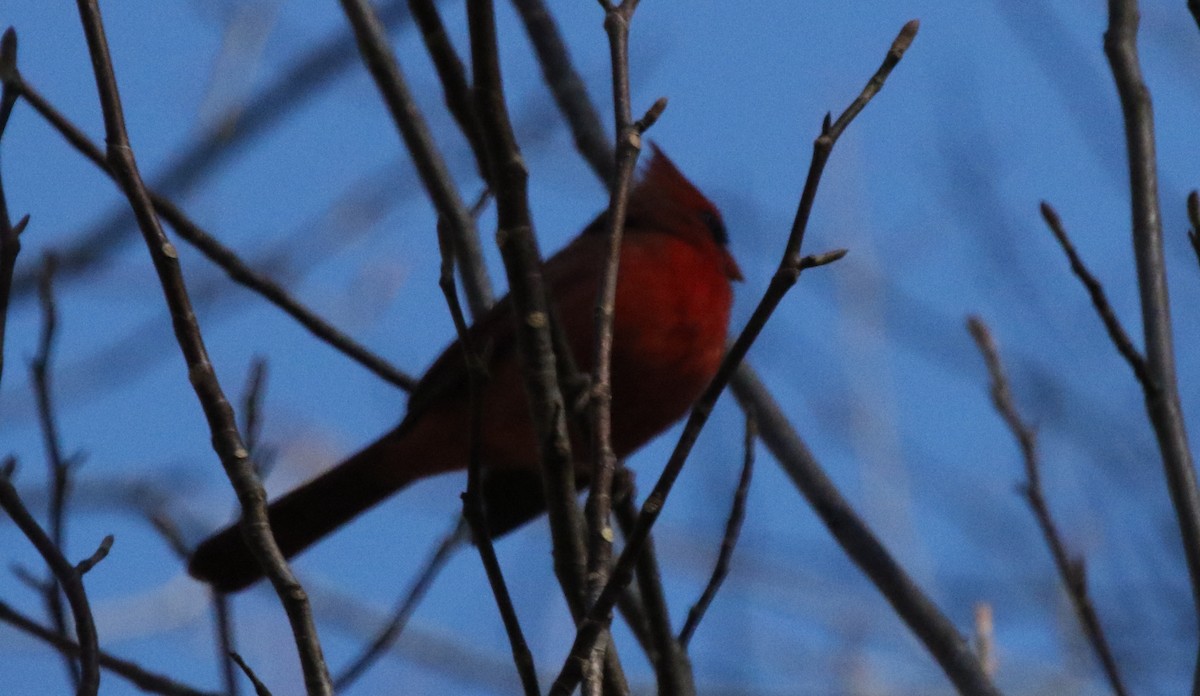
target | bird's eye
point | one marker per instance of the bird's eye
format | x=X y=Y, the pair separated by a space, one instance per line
x=715 y=226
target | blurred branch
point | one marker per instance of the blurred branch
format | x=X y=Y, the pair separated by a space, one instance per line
x=1161 y=389
x=385 y=638
x=1193 y=212
x=134 y=674
x=985 y=638
x=452 y=75
x=58 y=480
x=1194 y=8
x=790 y=267
x=452 y=211
x=305 y=80
x=10 y=235
x=1116 y=332
x=1071 y=570
x=732 y=529
x=69 y=577
x=221 y=420
x=567 y=88
x=214 y=250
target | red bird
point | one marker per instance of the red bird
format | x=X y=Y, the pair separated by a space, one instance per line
x=672 y=314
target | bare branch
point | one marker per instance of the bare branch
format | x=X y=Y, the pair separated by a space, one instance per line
x=785 y=277
x=10 y=235
x=1071 y=570
x=1193 y=211
x=732 y=529
x=259 y=688
x=381 y=61
x=409 y=602
x=69 y=577
x=568 y=89
x=1161 y=390
x=1116 y=331
x=142 y=679
x=222 y=423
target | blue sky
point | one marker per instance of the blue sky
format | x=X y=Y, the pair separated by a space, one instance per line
x=934 y=189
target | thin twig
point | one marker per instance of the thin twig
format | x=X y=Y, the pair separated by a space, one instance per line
x=452 y=211
x=58 y=480
x=408 y=603
x=1162 y=389
x=70 y=578
x=221 y=420
x=848 y=529
x=860 y=544
x=1116 y=332
x=604 y=461
x=672 y=669
x=259 y=688
x=1071 y=570
x=785 y=277
x=570 y=94
x=733 y=528
x=472 y=498
x=131 y=672
x=215 y=251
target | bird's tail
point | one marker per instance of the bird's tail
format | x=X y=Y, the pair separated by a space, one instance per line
x=307 y=514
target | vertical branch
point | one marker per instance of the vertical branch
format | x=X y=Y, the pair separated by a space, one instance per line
x=604 y=461
x=225 y=438
x=1071 y=570
x=58 y=480
x=1162 y=395
x=1193 y=212
x=472 y=498
x=522 y=262
x=10 y=235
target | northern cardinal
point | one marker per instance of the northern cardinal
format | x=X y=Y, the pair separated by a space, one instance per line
x=672 y=314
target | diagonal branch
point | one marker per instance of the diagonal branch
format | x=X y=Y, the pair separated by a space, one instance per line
x=1116 y=332
x=1071 y=570
x=790 y=267
x=1193 y=212
x=221 y=420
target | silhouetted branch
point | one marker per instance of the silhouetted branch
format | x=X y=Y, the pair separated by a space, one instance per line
x=472 y=498
x=1116 y=331
x=10 y=234
x=628 y=136
x=1071 y=570
x=142 y=679
x=732 y=529
x=1161 y=390
x=221 y=420
x=259 y=688
x=213 y=249
x=70 y=578
x=785 y=277
x=452 y=211
x=672 y=669
x=1193 y=211
x=58 y=480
